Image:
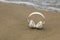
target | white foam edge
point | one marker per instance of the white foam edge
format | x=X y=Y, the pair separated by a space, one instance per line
x=29 y=3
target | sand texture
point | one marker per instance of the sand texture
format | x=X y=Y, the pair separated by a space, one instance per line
x=14 y=26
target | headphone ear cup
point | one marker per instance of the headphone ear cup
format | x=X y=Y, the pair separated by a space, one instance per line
x=31 y=23
x=39 y=25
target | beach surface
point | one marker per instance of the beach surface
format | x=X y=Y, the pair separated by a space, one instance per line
x=14 y=26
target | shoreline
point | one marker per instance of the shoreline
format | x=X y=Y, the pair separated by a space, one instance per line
x=53 y=9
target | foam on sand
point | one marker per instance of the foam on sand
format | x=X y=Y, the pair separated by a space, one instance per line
x=40 y=7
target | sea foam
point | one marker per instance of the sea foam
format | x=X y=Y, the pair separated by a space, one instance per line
x=41 y=6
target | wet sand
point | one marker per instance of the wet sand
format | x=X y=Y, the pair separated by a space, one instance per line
x=14 y=26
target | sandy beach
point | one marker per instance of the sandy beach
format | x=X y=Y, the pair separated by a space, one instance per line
x=14 y=26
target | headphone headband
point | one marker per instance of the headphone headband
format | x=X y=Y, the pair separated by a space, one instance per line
x=37 y=13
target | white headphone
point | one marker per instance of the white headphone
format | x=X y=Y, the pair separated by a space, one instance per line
x=32 y=23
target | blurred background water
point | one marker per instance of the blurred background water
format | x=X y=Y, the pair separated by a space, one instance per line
x=52 y=5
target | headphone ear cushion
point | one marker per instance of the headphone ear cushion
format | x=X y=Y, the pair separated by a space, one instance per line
x=39 y=24
x=31 y=23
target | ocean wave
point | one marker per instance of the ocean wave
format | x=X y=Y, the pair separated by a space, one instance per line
x=39 y=6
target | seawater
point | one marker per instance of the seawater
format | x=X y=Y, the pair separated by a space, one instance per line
x=51 y=5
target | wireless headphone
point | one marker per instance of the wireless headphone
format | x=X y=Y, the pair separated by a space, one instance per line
x=32 y=23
